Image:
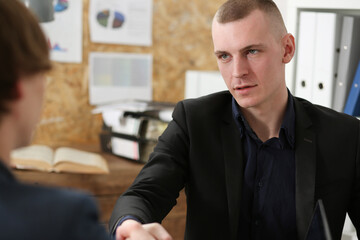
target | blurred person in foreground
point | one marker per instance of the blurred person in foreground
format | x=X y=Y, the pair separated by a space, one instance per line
x=253 y=160
x=32 y=212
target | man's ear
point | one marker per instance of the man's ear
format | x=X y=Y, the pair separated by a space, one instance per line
x=288 y=43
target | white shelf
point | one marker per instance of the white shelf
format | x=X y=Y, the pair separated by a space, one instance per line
x=294 y=6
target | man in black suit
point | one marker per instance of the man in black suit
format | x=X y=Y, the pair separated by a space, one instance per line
x=254 y=160
x=31 y=212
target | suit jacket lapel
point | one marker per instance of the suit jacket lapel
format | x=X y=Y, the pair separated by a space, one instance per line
x=233 y=159
x=305 y=158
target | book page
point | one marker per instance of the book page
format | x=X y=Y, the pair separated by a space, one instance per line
x=82 y=161
x=33 y=157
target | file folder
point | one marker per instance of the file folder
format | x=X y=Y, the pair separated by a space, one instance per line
x=305 y=55
x=326 y=57
x=348 y=60
x=352 y=106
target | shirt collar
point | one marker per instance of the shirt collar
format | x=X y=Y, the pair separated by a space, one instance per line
x=287 y=126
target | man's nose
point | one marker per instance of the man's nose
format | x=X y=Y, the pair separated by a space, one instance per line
x=240 y=67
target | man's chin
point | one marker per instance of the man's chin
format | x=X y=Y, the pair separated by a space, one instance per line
x=246 y=103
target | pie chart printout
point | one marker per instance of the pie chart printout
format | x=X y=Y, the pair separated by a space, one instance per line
x=110 y=19
x=61 y=5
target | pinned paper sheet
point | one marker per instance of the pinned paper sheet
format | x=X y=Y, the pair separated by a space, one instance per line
x=65 y=32
x=121 y=22
x=119 y=76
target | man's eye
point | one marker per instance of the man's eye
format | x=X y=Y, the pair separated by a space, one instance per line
x=224 y=57
x=253 y=51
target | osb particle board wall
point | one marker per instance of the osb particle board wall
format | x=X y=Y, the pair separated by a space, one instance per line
x=181 y=41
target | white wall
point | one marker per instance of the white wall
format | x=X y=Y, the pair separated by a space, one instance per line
x=282 y=5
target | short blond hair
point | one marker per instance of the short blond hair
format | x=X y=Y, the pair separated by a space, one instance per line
x=233 y=10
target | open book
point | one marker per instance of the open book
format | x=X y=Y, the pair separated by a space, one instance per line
x=63 y=159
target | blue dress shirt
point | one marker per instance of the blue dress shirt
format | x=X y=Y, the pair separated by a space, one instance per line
x=268 y=193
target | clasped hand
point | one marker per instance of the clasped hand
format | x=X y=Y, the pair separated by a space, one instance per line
x=133 y=230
